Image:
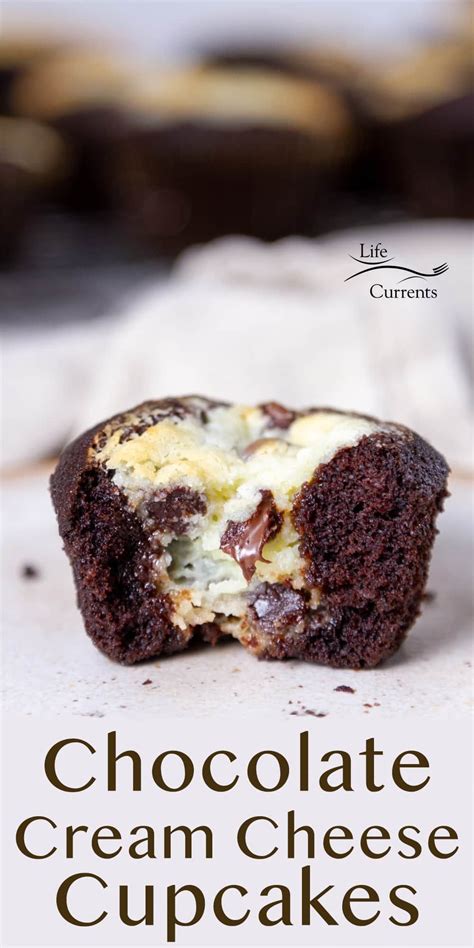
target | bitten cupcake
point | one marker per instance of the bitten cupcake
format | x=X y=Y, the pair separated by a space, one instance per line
x=302 y=534
x=218 y=151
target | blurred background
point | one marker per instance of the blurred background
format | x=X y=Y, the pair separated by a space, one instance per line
x=130 y=134
x=135 y=132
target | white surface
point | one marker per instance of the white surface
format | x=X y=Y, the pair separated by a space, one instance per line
x=51 y=665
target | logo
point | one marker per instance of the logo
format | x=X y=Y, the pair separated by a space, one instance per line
x=375 y=258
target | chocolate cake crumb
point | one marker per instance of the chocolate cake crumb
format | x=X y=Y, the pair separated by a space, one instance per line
x=147 y=681
x=29 y=571
x=309 y=713
x=346 y=689
x=171 y=511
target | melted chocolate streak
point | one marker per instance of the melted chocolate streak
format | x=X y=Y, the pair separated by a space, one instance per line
x=244 y=540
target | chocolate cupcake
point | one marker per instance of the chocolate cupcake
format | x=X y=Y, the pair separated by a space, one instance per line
x=423 y=119
x=347 y=75
x=230 y=151
x=33 y=162
x=301 y=534
x=78 y=93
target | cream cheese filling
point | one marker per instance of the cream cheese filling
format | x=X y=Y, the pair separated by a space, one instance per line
x=229 y=460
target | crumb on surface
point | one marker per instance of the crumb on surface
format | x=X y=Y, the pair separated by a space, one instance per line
x=29 y=571
x=309 y=711
x=346 y=689
x=147 y=681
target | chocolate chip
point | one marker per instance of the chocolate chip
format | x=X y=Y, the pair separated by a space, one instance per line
x=244 y=540
x=276 y=606
x=170 y=511
x=280 y=417
x=309 y=712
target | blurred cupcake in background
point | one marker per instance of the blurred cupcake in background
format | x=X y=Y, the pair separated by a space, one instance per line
x=33 y=162
x=423 y=120
x=339 y=69
x=218 y=151
x=413 y=117
x=78 y=93
x=17 y=54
